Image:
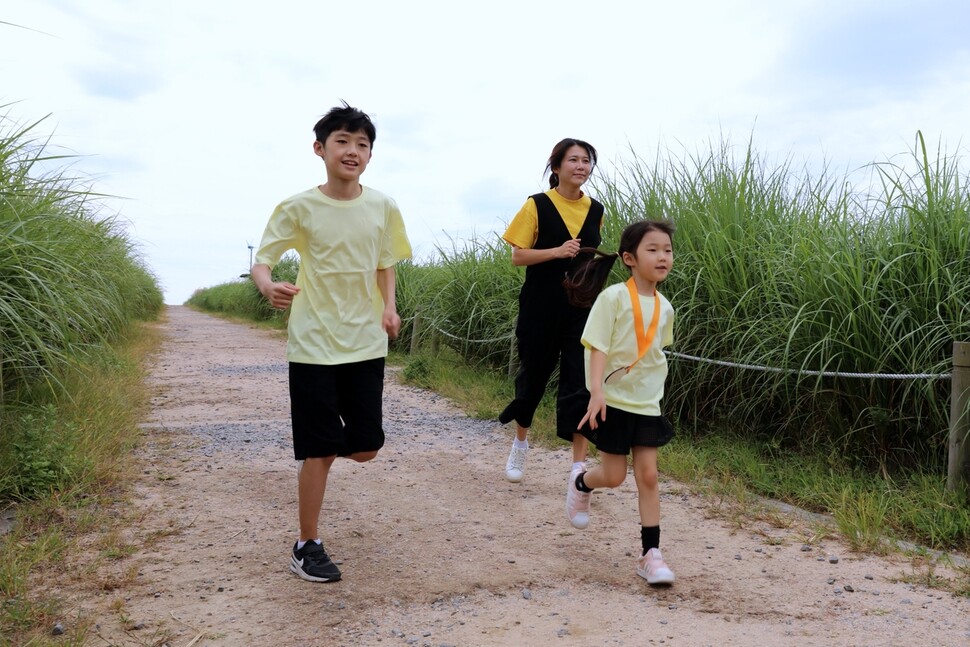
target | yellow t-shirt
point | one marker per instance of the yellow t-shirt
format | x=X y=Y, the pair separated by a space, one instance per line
x=336 y=317
x=609 y=328
x=524 y=228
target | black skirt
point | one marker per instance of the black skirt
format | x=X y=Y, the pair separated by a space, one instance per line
x=622 y=430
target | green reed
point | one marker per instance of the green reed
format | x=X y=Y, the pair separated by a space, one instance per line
x=70 y=278
x=803 y=273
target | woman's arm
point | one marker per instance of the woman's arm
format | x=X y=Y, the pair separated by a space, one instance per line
x=522 y=256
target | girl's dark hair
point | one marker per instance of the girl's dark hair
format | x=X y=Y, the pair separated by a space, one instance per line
x=587 y=280
x=344 y=117
x=559 y=153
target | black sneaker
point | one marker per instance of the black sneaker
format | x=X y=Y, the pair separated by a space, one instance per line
x=313 y=564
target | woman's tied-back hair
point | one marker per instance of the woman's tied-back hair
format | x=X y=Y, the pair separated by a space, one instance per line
x=559 y=153
x=344 y=117
x=589 y=277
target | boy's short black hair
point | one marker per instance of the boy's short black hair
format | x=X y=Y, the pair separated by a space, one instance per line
x=344 y=117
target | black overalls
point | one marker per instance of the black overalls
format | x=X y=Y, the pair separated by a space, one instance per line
x=549 y=328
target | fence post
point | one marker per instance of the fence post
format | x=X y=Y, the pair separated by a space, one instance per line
x=416 y=331
x=958 y=464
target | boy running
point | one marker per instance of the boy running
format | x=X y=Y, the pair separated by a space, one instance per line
x=348 y=237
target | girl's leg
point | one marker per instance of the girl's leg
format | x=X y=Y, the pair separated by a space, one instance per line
x=650 y=565
x=609 y=473
x=648 y=491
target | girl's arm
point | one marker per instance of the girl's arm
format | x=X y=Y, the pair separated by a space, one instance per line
x=525 y=256
x=597 y=401
x=387 y=283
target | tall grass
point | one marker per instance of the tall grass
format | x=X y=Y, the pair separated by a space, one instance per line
x=70 y=278
x=803 y=273
x=468 y=298
x=72 y=289
x=71 y=286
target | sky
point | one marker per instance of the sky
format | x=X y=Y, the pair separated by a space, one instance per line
x=196 y=117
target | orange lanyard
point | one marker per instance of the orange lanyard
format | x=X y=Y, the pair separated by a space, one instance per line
x=643 y=339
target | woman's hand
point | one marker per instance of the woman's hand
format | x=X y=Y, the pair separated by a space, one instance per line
x=569 y=249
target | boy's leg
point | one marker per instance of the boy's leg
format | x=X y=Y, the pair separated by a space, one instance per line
x=360 y=394
x=311 y=487
x=317 y=437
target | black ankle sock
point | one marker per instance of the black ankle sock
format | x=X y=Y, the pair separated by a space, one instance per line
x=649 y=537
x=581 y=484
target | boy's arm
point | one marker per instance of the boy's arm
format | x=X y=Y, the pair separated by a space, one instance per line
x=387 y=283
x=280 y=295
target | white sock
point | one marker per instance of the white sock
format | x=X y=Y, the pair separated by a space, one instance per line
x=520 y=444
x=579 y=465
x=300 y=544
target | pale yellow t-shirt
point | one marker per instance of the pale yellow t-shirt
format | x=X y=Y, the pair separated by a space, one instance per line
x=609 y=328
x=524 y=228
x=336 y=317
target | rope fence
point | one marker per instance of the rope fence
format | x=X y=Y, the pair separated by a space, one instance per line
x=791 y=371
x=958 y=463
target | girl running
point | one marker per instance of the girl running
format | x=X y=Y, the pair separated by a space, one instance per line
x=629 y=325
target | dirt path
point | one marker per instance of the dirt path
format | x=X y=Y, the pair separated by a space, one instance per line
x=438 y=549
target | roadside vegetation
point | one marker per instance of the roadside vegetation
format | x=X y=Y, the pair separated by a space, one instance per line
x=793 y=270
x=73 y=291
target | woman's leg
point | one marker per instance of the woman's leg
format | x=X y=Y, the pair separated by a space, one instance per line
x=537 y=360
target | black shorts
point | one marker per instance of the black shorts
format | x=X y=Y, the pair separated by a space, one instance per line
x=622 y=431
x=336 y=408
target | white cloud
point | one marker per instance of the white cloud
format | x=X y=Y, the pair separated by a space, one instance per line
x=200 y=115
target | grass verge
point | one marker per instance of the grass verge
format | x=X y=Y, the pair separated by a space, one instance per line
x=95 y=421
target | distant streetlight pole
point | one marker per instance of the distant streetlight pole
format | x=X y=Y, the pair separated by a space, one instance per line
x=247 y=273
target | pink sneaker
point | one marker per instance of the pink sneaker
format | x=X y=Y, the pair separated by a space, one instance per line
x=577 y=503
x=652 y=568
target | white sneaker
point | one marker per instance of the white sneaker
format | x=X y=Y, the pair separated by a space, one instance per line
x=577 y=503
x=652 y=568
x=515 y=466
